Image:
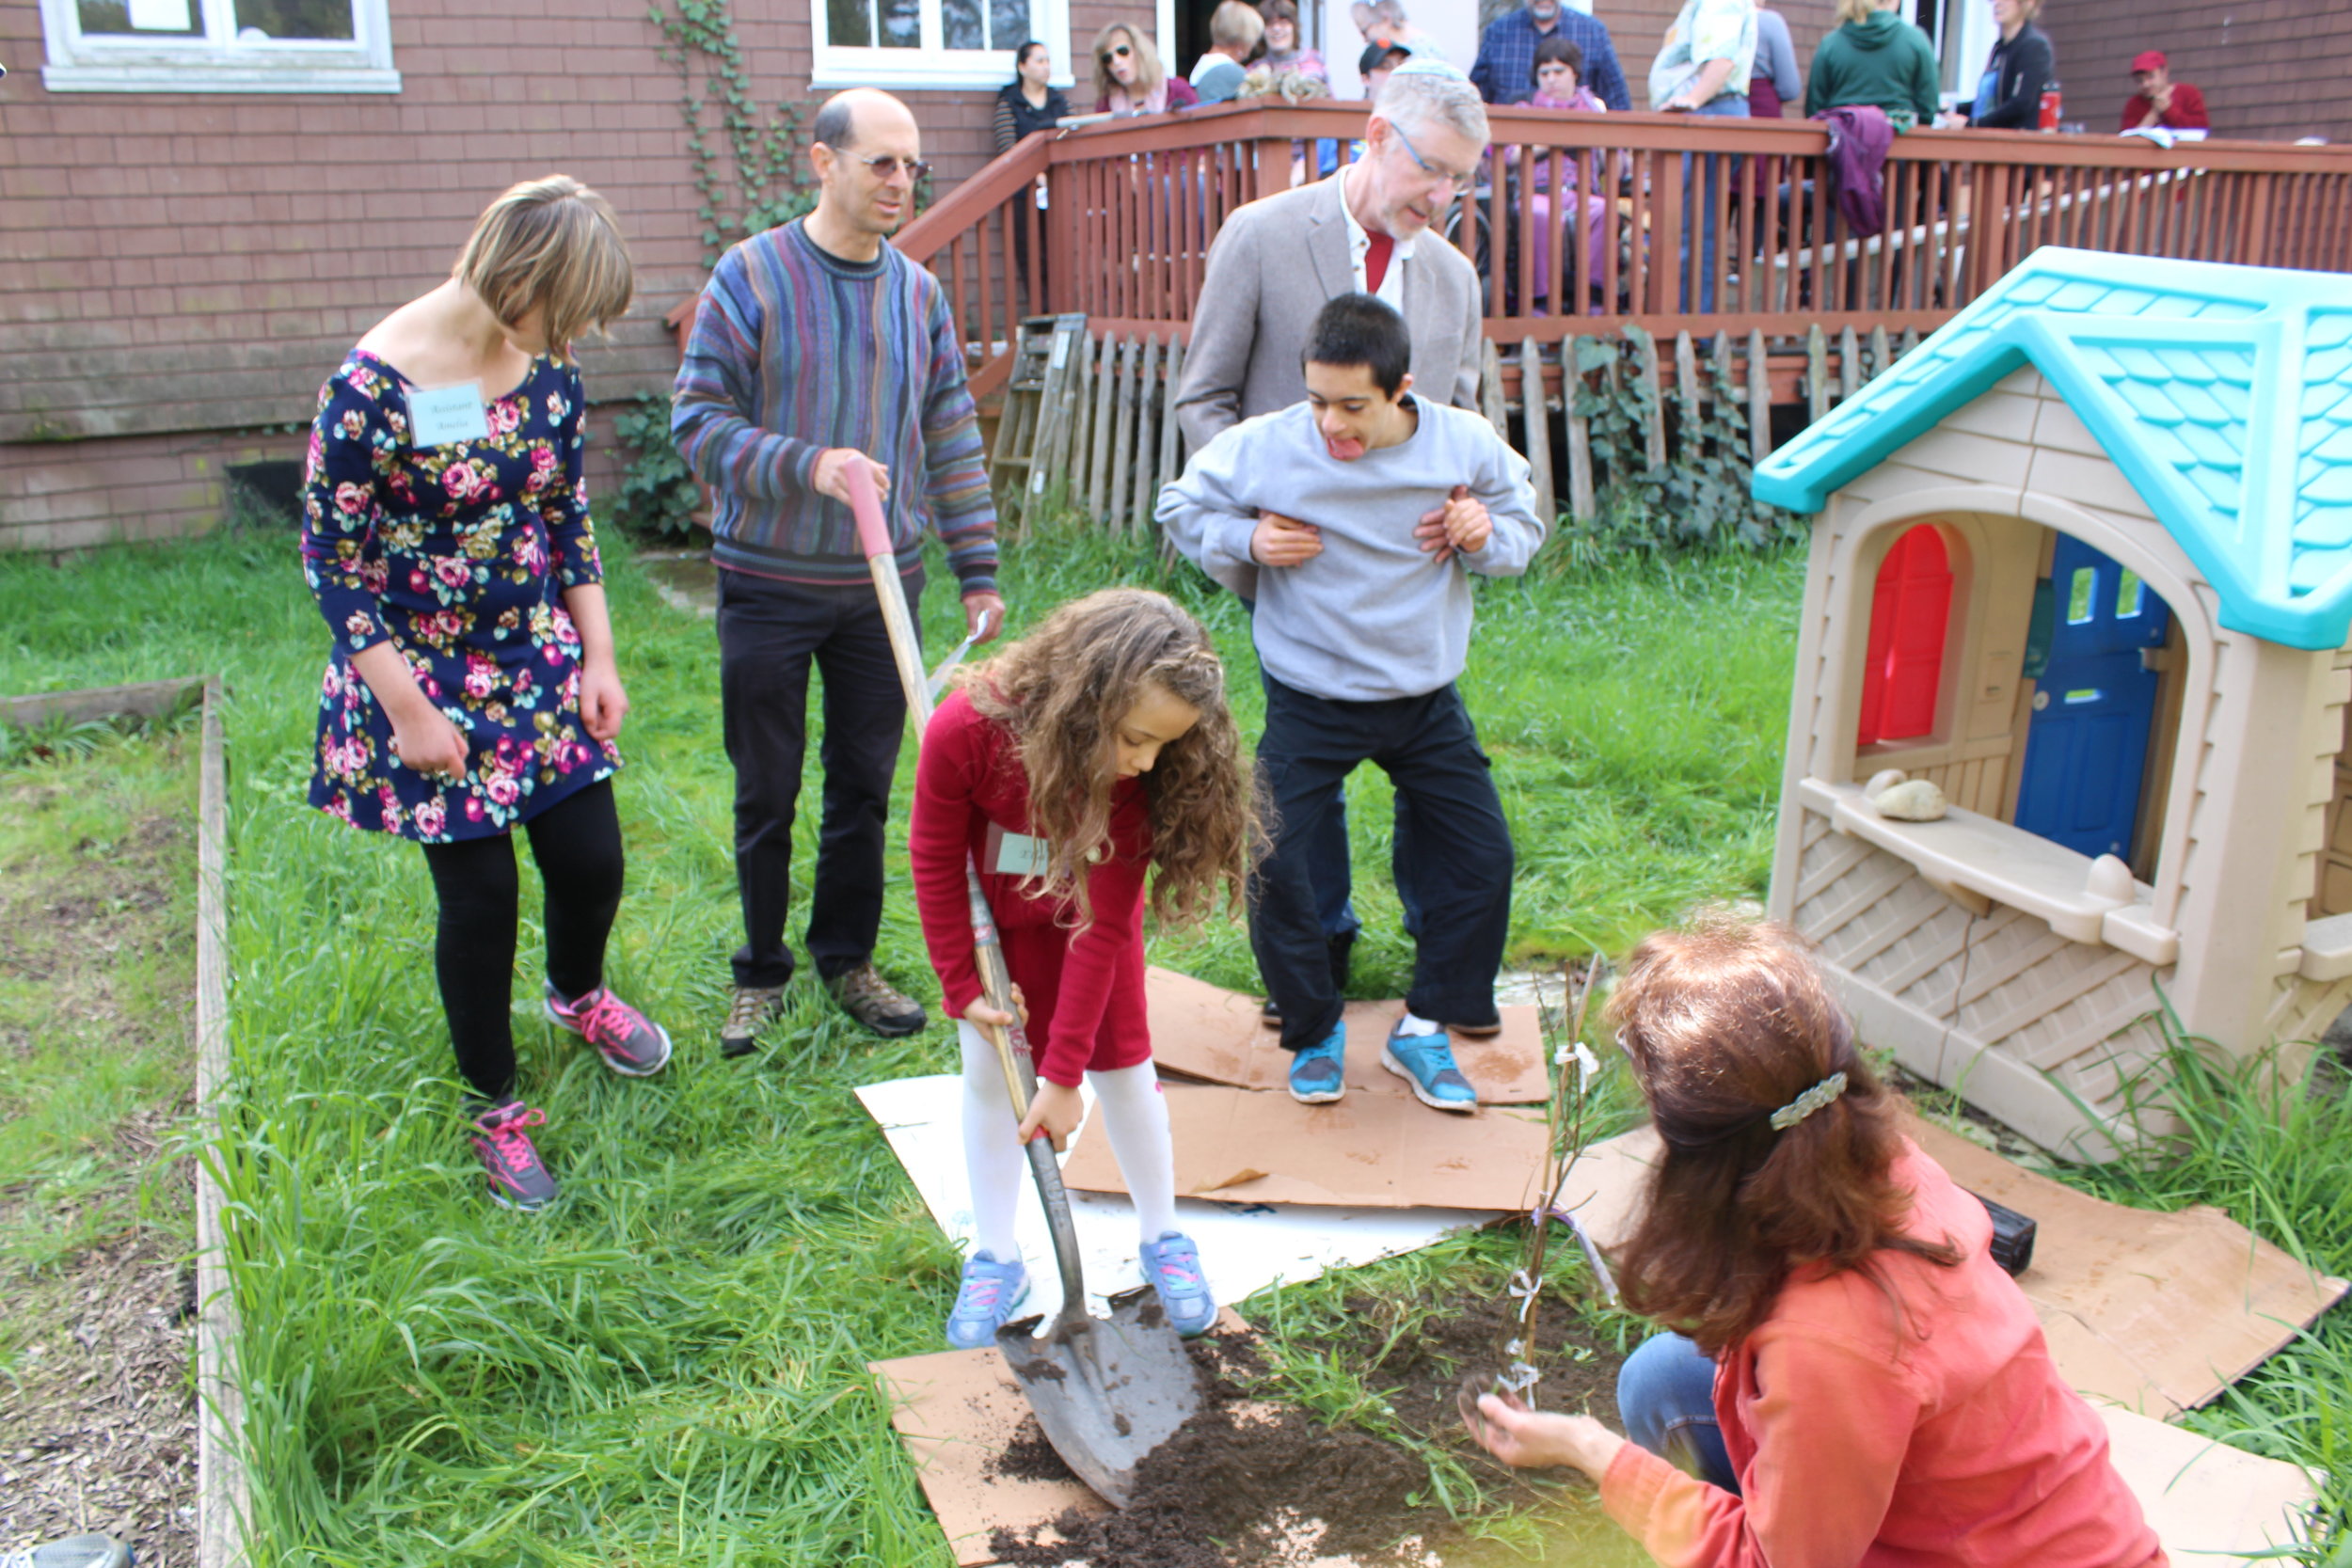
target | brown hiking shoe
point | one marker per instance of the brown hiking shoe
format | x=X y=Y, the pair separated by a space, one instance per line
x=866 y=996
x=750 y=1009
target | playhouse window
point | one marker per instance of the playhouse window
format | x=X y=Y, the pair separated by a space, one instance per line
x=1903 y=669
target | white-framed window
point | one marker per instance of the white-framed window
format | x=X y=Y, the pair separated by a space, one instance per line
x=218 y=46
x=933 y=43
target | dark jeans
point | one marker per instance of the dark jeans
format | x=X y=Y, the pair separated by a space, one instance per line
x=1458 y=857
x=1667 y=1394
x=576 y=845
x=769 y=631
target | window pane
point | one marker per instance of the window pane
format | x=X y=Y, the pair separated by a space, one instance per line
x=2080 y=593
x=960 y=22
x=2128 y=595
x=261 y=19
x=142 y=18
x=901 y=24
x=847 y=25
x=1009 y=23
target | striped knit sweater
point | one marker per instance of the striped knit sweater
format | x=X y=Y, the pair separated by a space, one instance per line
x=795 y=350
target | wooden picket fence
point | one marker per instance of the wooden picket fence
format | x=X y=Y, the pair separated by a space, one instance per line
x=1116 y=441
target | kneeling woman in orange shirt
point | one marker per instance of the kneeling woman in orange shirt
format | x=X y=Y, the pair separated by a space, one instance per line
x=1854 y=1380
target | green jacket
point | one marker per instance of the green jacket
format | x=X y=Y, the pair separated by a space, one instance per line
x=1885 y=61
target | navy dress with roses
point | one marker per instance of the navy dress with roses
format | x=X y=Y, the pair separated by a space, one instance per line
x=457 y=555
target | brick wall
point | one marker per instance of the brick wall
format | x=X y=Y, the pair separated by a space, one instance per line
x=178 y=272
x=2270 y=70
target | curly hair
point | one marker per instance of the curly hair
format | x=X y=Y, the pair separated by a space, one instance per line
x=1062 y=688
x=1724 y=1021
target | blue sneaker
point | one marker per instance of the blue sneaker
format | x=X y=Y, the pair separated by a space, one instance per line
x=1426 y=1062
x=1172 y=1264
x=985 y=1300
x=1318 y=1074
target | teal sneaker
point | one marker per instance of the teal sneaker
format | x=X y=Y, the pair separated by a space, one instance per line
x=1318 y=1074
x=985 y=1300
x=1426 y=1062
x=1172 y=1264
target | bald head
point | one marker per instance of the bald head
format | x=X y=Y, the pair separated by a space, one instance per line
x=854 y=118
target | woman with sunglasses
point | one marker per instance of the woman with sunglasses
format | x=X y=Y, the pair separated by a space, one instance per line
x=1852 y=1379
x=1129 y=78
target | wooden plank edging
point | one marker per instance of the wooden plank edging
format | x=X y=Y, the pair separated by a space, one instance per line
x=222 y=1491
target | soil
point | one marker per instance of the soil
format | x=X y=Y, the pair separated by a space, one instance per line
x=98 y=1422
x=1253 y=1483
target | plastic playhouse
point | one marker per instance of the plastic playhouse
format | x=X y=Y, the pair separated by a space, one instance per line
x=2084 y=562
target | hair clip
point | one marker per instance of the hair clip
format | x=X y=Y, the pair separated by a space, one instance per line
x=1806 y=1103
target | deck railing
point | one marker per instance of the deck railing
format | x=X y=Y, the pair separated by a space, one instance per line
x=1583 y=222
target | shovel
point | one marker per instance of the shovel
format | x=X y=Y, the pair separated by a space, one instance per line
x=1107 y=1392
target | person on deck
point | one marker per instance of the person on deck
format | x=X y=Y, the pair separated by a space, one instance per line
x=2161 y=101
x=1129 y=78
x=1283 y=50
x=1507 y=53
x=816 y=346
x=1235 y=31
x=1029 y=103
x=1856 y=1380
x=1774 y=81
x=2020 y=70
x=1874 y=57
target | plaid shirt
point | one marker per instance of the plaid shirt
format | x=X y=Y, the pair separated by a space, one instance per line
x=1506 y=72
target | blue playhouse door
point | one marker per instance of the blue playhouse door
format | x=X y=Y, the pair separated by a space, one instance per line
x=2094 y=705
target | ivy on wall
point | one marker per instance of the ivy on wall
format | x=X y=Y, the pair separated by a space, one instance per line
x=758 y=181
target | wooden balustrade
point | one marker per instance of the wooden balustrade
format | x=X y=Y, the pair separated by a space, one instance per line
x=1583 y=222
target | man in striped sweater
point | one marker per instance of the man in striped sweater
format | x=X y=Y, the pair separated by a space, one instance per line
x=815 y=341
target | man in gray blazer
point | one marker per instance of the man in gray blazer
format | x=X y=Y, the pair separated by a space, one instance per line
x=1273 y=267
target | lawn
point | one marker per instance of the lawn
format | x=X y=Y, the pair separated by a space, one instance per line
x=669 y=1367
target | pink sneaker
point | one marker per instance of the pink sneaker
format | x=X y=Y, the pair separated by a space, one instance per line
x=502 y=1135
x=631 y=1044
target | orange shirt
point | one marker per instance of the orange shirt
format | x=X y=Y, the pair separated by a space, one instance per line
x=1922 y=1425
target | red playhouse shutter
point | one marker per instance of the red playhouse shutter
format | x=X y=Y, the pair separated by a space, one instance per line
x=1903 y=667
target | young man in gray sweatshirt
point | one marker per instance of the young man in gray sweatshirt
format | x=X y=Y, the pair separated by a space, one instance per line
x=1363 y=511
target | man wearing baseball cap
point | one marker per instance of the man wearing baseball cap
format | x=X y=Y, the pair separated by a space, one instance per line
x=2161 y=101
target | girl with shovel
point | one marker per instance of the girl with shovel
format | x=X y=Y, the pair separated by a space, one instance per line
x=1091 y=751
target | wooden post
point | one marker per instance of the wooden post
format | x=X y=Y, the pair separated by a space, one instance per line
x=1082 y=426
x=1579 y=434
x=1147 y=406
x=1815 y=374
x=1880 y=359
x=1910 y=341
x=1848 y=364
x=1123 y=437
x=1646 y=345
x=1490 y=399
x=1687 y=390
x=224 y=1495
x=1535 y=410
x=1759 y=401
x=1097 y=460
x=1172 y=454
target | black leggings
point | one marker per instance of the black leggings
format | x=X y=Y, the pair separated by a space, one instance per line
x=577 y=846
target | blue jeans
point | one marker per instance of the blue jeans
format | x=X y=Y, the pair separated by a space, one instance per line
x=1666 y=1393
x=1735 y=105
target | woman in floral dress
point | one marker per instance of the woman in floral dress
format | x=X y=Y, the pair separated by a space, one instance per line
x=473 y=688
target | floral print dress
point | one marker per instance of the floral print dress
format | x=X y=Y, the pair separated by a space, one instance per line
x=457 y=555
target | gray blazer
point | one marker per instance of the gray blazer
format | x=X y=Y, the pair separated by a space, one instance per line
x=1258 y=301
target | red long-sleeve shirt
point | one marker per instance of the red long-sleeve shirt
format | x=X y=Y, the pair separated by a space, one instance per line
x=1947 y=1440
x=2187 y=112
x=1084 y=987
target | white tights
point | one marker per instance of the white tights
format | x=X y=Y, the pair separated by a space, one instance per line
x=1133 y=1112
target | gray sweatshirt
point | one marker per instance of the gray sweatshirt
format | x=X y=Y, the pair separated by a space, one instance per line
x=1371 y=617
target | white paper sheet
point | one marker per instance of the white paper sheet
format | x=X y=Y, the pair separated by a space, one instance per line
x=1244 y=1247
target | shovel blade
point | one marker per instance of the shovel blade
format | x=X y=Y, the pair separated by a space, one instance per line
x=1106 y=1392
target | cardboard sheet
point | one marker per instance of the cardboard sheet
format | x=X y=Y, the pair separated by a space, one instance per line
x=1378 y=1148
x=1244 y=1247
x=1205 y=1032
x=2210 y=1504
x=2154 y=1312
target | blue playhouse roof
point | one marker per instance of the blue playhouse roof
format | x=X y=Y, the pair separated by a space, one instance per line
x=2223 y=393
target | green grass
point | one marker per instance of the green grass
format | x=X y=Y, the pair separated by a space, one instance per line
x=670 y=1368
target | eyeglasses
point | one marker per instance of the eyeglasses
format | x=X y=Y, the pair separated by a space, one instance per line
x=1456 y=183
x=1116 y=52
x=887 y=165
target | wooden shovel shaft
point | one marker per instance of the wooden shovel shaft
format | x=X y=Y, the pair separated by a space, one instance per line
x=1012 y=1046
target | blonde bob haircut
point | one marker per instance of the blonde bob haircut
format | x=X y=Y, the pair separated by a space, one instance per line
x=553 y=242
x=1150 y=74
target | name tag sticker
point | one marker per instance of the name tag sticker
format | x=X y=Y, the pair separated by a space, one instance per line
x=439 y=415
x=1015 y=854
